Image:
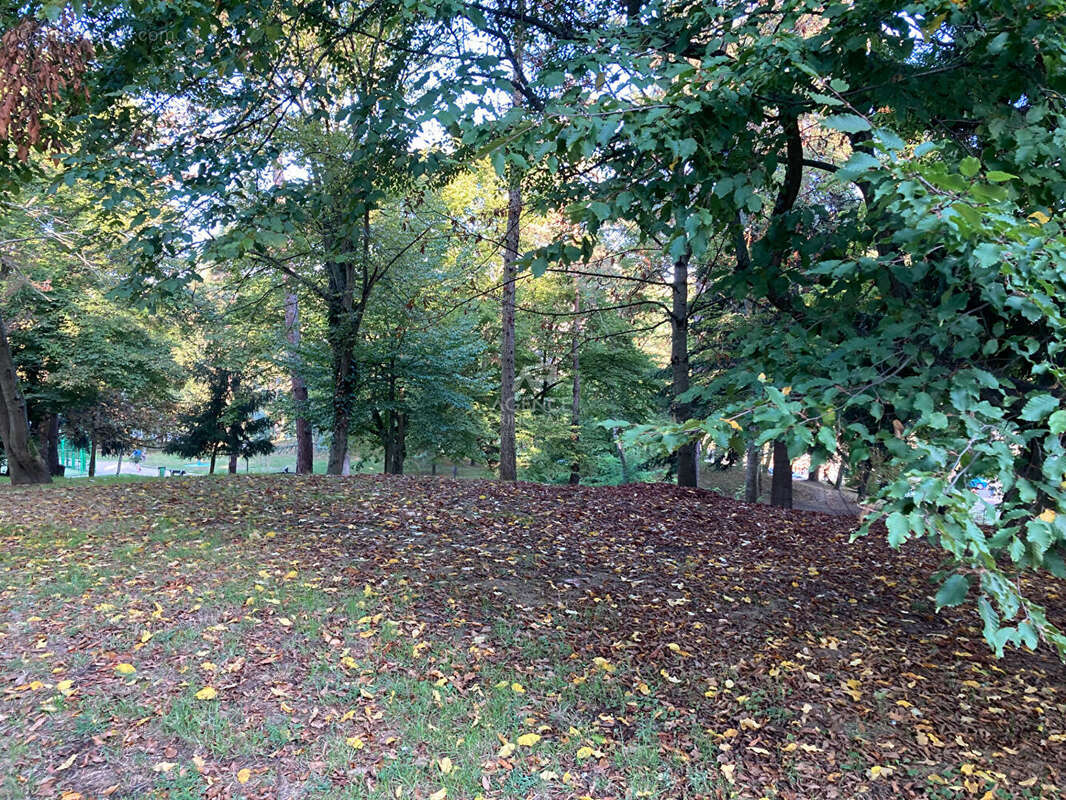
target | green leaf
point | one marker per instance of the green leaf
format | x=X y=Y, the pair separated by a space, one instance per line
x=953 y=592
x=846 y=123
x=969 y=167
x=997 y=176
x=898 y=528
x=1057 y=422
x=1038 y=407
x=827 y=439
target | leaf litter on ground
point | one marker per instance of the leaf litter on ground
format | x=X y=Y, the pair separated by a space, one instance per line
x=298 y=637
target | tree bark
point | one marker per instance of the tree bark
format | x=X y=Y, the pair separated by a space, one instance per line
x=508 y=458
x=781 y=487
x=621 y=454
x=48 y=442
x=118 y=468
x=575 y=400
x=343 y=387
x=345 y=318
x=687 y=468
x=393 y=427
x=235 y=426
x=92 y=456
x=752 y=468
x=24 y=463
x=304 y=446
x=395 y=442
x=214 y=454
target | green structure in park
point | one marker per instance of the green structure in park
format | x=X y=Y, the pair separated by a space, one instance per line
x=72 y=457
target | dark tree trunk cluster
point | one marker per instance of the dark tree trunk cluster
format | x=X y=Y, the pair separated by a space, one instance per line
x=24 y=463
x=687 y=466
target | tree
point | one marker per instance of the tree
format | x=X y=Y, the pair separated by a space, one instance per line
x=225 y=422
x=901 y=320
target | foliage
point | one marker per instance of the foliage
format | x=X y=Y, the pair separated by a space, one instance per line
x=226 y=422
x=914 y=304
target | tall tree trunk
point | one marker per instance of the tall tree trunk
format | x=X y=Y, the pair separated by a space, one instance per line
x=394 y=429
x=621 y=454
x=24 y=463
x=234 y=433
x=118 y=468
x=48 y=442
x=395 y=442
x=304 y=447
x=752 y=468
x=575 y=400
x=687 y=468
x=343 y=387
x=508 y=459
x=214 y=455
x=345 y=322
x=92 y=456
x=781 y=486
x=305 y=455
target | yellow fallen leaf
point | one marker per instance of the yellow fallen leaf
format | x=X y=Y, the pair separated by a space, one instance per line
x=1047 y=515
x=207 y=693
x=788 y=748
x=164 y=766
x=355 y=742
x=727 y=770
x=876 y=771
x=643 y=688
x=603 y=663
x=440 y=795
x=284 y=622
x=506 y=750
x=446 y=765
x=66 y=688
x=243 y=775
x=518 y=688
x=67 y=764
x=584 y=752
x=528 y=739
x=125 y=669
x=208 y=666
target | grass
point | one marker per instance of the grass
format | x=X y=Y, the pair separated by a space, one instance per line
x=352 y=649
